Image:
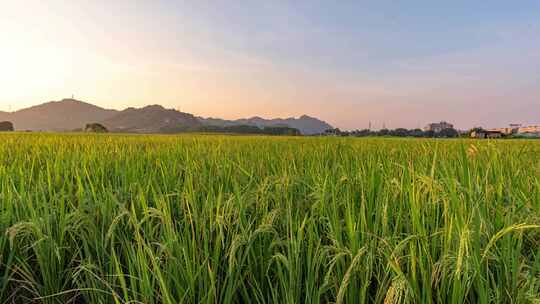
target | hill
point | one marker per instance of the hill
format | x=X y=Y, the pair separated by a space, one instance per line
x=64 y=115
x=151 y=119
x=5 y=115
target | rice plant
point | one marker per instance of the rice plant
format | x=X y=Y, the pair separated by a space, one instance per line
x=239 y=219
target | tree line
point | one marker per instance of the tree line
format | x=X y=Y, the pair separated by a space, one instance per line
x=247 y=129
x=234 y=129
x=399 y=132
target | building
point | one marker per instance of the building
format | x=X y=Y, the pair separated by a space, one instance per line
x=332 y=132
x=529 y=129
x=438 y=126
x=487 y=134
x=505 y=131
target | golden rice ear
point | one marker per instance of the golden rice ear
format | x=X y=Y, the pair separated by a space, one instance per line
x=396 y=291
x=472 y=150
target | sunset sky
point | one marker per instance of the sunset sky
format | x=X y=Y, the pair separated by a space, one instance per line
x=402 y=63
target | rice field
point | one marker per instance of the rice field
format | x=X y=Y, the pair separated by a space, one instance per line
x=239 y=219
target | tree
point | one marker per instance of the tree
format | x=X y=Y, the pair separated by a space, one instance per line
x=281 y=130
x=95 y=128
x=448 y=133
x=429 y=133
x=400 y=132
x=335 y=131
x=476 y=130
x=384 y=132
x=416 y=133
x=362 y=133
x=6 y=126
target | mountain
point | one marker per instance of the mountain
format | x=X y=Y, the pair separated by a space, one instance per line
x=71 y=114
x=4 y=116
x=151 y=119
x=306 y=124
x=64 y=115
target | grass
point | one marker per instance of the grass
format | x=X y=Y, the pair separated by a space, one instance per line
x=218 y=219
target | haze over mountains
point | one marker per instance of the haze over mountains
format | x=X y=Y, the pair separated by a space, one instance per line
x=71 y=114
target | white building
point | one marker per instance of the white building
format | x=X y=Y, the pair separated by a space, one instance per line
x=529 y=129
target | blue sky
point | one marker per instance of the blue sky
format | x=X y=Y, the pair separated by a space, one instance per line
x=402 y=63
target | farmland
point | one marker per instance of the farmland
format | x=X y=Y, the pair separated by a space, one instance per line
x=239 y=219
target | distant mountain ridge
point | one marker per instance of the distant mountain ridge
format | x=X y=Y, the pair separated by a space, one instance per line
x=306 y=124
x=71 y=114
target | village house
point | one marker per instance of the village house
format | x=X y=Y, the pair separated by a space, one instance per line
x=505 y=131
x=487 y=134
x=529 y=129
